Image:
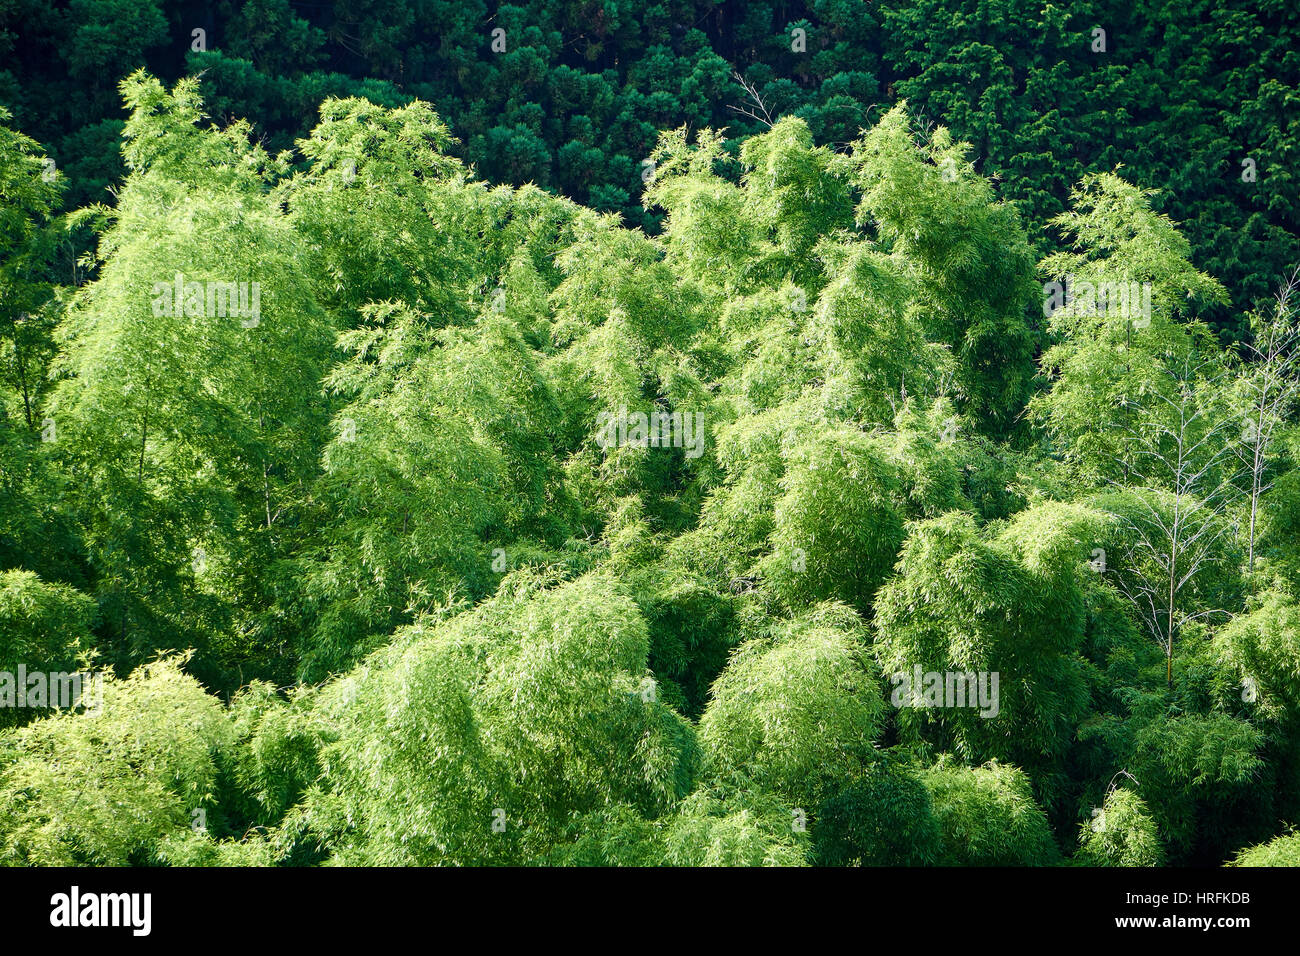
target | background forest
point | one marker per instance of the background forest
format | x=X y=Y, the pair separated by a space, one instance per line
x=971 y=345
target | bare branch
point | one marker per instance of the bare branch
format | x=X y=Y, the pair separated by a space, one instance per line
x=752 y=93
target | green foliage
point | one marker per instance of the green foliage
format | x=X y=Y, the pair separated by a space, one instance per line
x=1280 y=851
x=750 y=829
x=197 y=421
x=479 y=739
x=498 y=532
x=43 y=627
x=106 y=787
x=1121 y=833
x=987 y=817
x=274 y=757
x=962 y=605
x=1265 y=646
x=1113 y=363
x=1181 y=94
x=708 y=829
x=1280 y=529
x=1193 y=769
x=885 y=819
x=836 y=529
x=691 y=633
x=30 y=188
x=797 y=712
x=929 y=207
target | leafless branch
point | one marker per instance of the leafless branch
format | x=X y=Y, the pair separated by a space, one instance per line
x=752 y=111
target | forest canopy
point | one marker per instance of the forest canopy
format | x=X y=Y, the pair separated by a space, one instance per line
x=1196 y=99
x=362 y=505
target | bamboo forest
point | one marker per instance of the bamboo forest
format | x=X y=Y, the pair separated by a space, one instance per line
x=687 y=433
